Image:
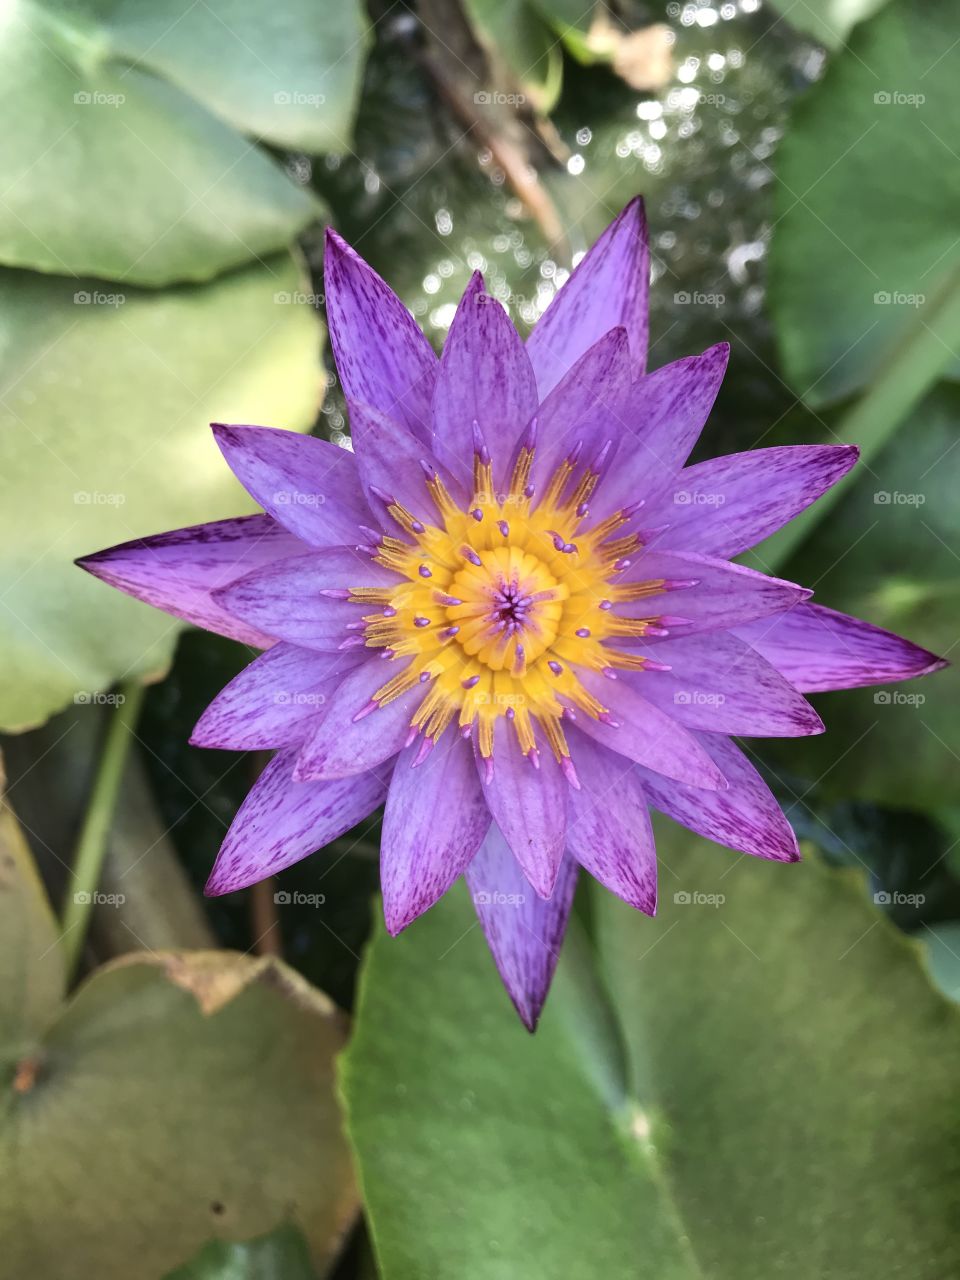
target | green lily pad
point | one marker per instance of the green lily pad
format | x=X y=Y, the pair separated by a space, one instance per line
x=887 y=553
x=764 y=1118
x=865 y=246
x=104 y=437
x=173 y=1098
x=829 y=21
x=484 y=1152
x=281 y=1255
x=288 y=74
x=160 y=188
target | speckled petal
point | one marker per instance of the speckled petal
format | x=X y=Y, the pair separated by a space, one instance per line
x=728 y=504
x=609 y=287
x=180 y=570
x=382 y=357
x=523 y=931
x=745 y=817
x=281 y=822
x=276 y=701
x=433 y=824
x=609 y=829
x=311 y=486
x=818 y=649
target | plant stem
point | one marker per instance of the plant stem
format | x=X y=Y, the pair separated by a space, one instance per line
x=92 y=845
x=914 y=368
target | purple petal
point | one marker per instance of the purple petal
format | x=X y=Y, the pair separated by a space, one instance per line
x=311 y=486
x=353 y=737
x=586 y=408
x=745 y=817
x=717 y=683
x=529 y=805
x=609 y=829
x=609 y=287
x=178 y=571
x=666 y=411
x=382 y=357
x=434 y=822
x=724 y=595
x=646 y=734
x=276 y=701
x=524 y=932
x=389 y=460
x=485 y=378
x=282 y=821
x=286 y=601
x=731 y=503
x=817 y=649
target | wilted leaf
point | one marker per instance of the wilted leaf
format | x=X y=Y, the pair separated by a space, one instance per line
x=108 y=439
x=174 y=1098
x=281 y=1255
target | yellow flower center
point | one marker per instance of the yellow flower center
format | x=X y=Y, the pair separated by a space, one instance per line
x=500 y=602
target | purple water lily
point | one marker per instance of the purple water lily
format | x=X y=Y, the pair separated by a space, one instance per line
x=510 y=613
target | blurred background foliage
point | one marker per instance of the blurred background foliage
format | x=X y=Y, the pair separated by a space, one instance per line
x=763 y=1089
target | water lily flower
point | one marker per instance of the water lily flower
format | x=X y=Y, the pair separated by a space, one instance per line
x=510 y=613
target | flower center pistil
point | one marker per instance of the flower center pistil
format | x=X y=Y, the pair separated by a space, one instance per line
x=500 y=603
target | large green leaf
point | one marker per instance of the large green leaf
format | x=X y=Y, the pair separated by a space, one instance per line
x=288 y=73
x=829 y=21
x=797 y=1068
x=104 y=437
x=484 y=1152
x=173 y=1098
x=113 y=172
x=887 y=554
x=865 y=245
x=772 y=1121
